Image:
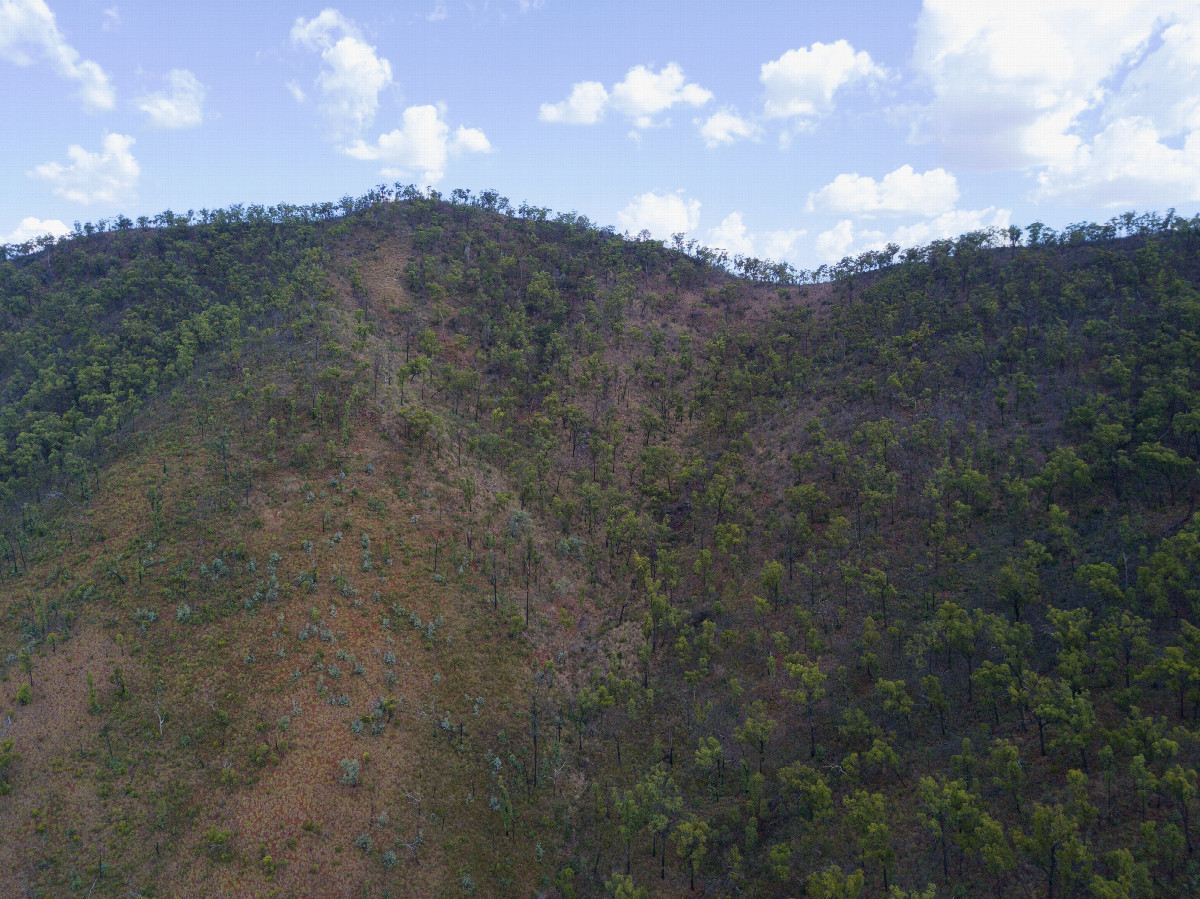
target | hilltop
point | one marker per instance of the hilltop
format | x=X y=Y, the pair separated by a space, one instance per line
x=417 y=546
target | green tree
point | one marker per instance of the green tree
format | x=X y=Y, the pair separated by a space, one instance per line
x=834 y=883
x=691 y=842
x=809 y=691
x=867 y=819
x=756 y=729
x=1054 y=845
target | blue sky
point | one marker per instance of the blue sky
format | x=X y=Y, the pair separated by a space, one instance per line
x=793 y=130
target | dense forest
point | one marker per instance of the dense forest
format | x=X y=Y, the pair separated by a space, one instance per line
x=420 y=545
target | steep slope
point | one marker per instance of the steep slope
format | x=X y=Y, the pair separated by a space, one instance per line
x=439 y=549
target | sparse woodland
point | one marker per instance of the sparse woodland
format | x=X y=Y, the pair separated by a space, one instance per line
x=421 y=545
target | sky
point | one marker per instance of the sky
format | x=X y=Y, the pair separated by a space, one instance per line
x=796 y=131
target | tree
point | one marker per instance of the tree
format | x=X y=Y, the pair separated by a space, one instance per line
x=1054 y=846
x=834 y=883
x=710 y=758
x=1072 y=712
x=1008 y=773
x=954 y=815
x=691 y=842
x=756 y=729
x=866 y=816
x=661 y=802
x=771 y=580
x=1179 y=785
x=808 y=692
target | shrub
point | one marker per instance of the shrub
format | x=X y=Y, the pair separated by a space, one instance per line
x=183 y=613
x=217 y=844
x=364 y=842
x=389 y=859
x=25 y=695
x=350 y=769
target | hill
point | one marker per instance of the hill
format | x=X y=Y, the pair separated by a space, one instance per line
x=425 y=547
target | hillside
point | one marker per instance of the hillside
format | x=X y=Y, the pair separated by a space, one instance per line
x=414 y=547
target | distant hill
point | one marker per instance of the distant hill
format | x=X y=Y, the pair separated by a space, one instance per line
x=414 y=547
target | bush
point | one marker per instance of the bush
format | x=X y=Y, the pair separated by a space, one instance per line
x=389 y=859
x=364 y=842
x=350 y=769
x=217 y=844
x=25 y=695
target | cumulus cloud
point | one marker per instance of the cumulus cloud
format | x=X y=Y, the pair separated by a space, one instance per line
x=352 y=74
x=28 y=34
x=180 y=106
x=802 y=83
x=423 y=143
x=951 y=224
x=32 y=228
x=1010 y=82
x=585 y=106
x=846 y=239
x=661 y=214
x=1165 y=86
x=1104 y=106
x=645 y=93
x=109 y=176
x=842 y=238
x=902 y=192
x=726 y=127
x=732 y=235
x=1127 y=165
x=641 y=95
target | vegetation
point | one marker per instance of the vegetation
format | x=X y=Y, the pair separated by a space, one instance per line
x=439 y=547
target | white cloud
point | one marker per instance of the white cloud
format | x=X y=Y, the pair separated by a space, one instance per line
x=28 y=33
x=353 y=74
x=951 y=224
x=845 y=239
x=32 y=228
x=112 y=19
x=585 y=106
x=527 y=5
x=781 y=244
x=802 y=83
x=296 y=91
x=438 y=13
x=726 y=127
x=731 y=235
x=109 y=176
x=180 y=106
x=1165 y=87
x=1127 y=165
x=1011 y=82
x=660 y=214
x=422 y=144
x=902 y=192
x=641 y=96
x=839 y=240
